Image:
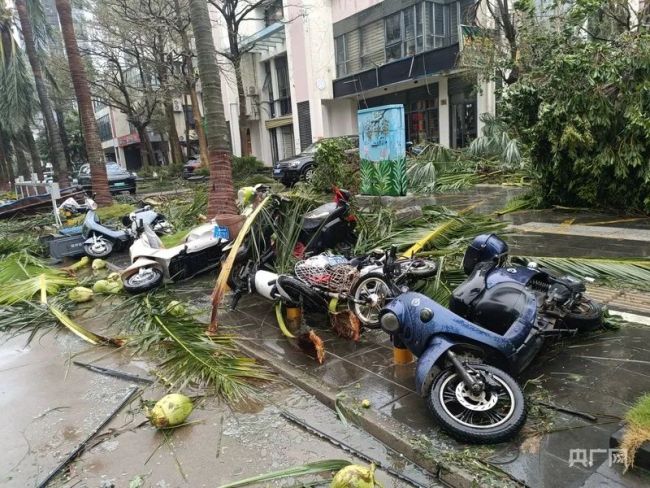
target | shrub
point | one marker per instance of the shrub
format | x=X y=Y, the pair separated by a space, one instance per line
x=335 y=166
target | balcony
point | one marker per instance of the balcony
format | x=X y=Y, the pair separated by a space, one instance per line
x=270 y=38
x=423 y=64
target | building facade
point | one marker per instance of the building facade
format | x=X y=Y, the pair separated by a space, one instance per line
x=312 y=64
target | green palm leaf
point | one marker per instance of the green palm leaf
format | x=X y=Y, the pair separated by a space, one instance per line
x=631 y=272
x=303 y=470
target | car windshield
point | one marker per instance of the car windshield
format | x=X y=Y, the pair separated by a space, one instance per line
x=114 y=168
x=346 y=142
x=311 y=149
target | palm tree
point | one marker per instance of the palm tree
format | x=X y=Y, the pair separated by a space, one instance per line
x=54 y=137
x=221 y=200
x=84 y=101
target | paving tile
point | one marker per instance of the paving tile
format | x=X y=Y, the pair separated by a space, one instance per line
x=373 y=360
x=401 y=374
x=412 y=411
x=338 y=373
x=377 y=390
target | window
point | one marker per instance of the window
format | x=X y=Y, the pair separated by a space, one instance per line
x=104 y=128
x=273 y=12
x=404 y=33
x=437 y=21
x=284 y=90
x=189 y=116
x=394 y=37
x=341 y=56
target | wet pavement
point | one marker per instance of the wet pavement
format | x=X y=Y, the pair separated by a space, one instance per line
x=599 y=374
x=50 y=406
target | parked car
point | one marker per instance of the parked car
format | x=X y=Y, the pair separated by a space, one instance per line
x=301 y=167
x=191 y=168
x=119 y=179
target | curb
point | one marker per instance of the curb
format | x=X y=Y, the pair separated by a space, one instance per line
x=388 y=431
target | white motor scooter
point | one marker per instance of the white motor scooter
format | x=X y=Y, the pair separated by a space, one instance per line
x=152 y=263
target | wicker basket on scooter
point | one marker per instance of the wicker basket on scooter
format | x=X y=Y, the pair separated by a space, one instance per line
x=330 y=274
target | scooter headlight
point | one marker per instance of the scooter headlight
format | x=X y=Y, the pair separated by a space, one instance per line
x=389 y=322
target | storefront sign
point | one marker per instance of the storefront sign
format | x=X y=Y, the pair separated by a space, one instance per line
x=128 y=139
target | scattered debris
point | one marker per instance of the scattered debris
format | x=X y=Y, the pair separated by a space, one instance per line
x=114 y=373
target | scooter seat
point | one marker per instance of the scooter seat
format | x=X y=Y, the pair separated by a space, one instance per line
x=500 y=307
x=314 y=219
x=469 y=290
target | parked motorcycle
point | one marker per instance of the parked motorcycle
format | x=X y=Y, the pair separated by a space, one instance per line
x=152 y=263
x=101 y=240
x=486 y=264
x=330 y=226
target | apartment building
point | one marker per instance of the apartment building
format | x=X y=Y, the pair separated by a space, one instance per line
x=312 y=64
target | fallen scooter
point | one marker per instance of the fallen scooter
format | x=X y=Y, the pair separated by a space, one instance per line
x=101 y=240
x=459 y=363
x=152 y=263
x=487 y=266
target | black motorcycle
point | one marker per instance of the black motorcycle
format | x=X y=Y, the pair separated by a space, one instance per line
x=562 y=298
x=329 y=226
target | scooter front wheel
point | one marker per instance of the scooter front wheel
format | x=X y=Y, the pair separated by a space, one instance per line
x=494 y=415
x=368 y=296
x=100 y=248
x=144 y=280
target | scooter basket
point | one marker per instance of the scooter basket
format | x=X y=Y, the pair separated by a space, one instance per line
x=334 y=275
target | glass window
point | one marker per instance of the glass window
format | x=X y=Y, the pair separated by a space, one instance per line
x=284 y=91
x=341 y=56
x=393 y=29
x=104 y=128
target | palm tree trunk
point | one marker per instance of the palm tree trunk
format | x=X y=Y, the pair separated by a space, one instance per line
x=21 y=161
x=37 y=167
x=54 y=138
x=221 y=199
x=4 y=162
x=94 y=150
x=60 y=120
x=172 y=134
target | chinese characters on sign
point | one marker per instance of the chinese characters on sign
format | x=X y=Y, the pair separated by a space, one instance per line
x=588 y=457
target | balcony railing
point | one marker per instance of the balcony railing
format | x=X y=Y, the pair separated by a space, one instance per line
x=280 y=107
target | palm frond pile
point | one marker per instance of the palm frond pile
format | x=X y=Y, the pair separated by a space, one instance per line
x=185 y=356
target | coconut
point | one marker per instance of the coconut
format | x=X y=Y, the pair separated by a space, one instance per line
x=176 y=309
x=85 y=261
x=114 y=277
x=80 y=294
x=107 y=286
x=355 y=476
x=98 y=264
x=170 y=410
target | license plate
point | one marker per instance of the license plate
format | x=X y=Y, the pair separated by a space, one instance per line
x=121 y=183
x=277 y=171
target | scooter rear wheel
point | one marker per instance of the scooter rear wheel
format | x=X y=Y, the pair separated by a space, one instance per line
x=585 y=316
x=100 y=249
x=496 y=415
x=368 y=296
x=144 y=280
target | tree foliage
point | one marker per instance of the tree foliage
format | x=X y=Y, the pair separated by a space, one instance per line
x=584 y=112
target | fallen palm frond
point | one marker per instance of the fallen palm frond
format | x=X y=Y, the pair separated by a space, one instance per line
x=9 y=245
x=303 y=470
x=24 y=317
x=110 y=213
x=22 y=276
x=630 y=272
x=186 y=356
x=524 y=202
x=184 y=214
x=637 y=430
x=80 y=331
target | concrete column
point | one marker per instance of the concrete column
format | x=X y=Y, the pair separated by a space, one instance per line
x=443 y=112
x=486 y=103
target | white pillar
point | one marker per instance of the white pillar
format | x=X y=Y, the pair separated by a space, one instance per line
x=443 y=112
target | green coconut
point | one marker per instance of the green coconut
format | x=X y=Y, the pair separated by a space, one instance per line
x=114 y=277
x=170 y=410
x=176 y=309
x=107 y=286
x=98 y=264
x=83 y=262
x=354 y=476
x=80 y=294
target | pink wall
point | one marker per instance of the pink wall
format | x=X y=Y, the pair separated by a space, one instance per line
x=296 y=51
x=344 y=8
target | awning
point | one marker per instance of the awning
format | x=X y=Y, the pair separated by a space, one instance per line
x=279 y=122
x=262 y=41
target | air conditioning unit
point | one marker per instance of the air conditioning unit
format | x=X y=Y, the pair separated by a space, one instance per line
x=252 y=91
x=178 y=106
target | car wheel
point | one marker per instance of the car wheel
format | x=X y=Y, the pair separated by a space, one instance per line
x=307 y=173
